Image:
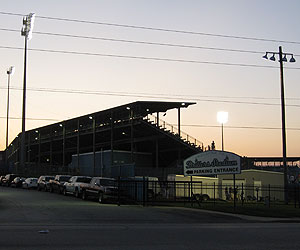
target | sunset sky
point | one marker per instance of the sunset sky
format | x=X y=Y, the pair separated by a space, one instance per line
x=208 y=52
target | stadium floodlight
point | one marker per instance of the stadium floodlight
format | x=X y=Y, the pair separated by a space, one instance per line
x=28 y=23
x=292 y=60
x=222 y=118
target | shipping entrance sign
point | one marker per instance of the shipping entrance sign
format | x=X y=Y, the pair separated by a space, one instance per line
x=212 y=163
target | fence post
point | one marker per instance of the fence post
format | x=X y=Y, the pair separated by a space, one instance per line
x=295 y=196
x=214 y=194
x=119 y=187
x=299 y=196
x=184 y=190
x=191 y=191
x=144 y=193
x=234 y=193
x=174 y=190
x=242 y=194
x=269 y=195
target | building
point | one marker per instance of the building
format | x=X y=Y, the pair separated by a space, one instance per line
x=127 y=131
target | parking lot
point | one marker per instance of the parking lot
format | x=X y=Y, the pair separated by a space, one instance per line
x=41 y=220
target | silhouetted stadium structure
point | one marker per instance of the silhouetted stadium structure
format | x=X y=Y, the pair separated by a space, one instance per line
x=128 y=140
x=127 y=136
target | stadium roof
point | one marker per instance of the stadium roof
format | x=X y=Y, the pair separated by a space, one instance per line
x=138 y=108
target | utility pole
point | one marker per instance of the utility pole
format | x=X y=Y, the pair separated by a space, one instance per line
x=282 y=58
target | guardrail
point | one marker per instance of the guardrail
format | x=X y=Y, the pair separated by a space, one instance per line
x=175 y=131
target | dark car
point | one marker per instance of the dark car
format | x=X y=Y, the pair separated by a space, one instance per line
x=1 y=179
x=43 y=182
x=17 y=182
x=100 y=188
x=8 y=179
x=57 y=185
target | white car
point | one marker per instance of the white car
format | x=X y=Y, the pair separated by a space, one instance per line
x=72 y=186
x=30 y=183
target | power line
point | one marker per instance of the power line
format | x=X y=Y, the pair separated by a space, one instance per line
x=235 y=127
x=31 y=119
x=156 y=29
x=147 y=58
x=144 y=95
x=140 y=42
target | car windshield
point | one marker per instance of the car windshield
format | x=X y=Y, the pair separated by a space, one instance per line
x=107 y=182
x=64 y=178
x=48 y=178
x=84 y=179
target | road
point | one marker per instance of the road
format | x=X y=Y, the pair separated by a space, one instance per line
x=39 y=220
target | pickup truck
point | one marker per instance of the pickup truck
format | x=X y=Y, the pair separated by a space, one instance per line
x=72 y=186
x=57 y=184
x=100 y=188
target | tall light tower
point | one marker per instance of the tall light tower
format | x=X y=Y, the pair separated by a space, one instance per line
x=9 y=72
x=282 y=58
x=26 y=31
x=222 y=118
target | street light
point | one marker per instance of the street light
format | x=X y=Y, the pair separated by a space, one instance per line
x=9 y=72
x=28 y=22
x=281 y=60
x=222 y=118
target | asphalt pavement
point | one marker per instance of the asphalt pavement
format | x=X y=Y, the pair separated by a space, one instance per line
x=41 y=220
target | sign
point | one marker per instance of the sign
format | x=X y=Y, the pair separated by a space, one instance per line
x=212 y=163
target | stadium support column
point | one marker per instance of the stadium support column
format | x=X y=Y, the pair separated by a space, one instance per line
x=29 y=150
x=78 y=138
x=51 y=151
x=94 y=145
x=64 y=143
x=156 y=153
x=179 y=134
x=131 y=135
x=39 y=142
x=111 y=140
x=179 y=122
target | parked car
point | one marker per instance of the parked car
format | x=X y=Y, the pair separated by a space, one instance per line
x=72 y=186
x=30 y=183
x=57 y=184
x=43 y=182
x=17 y=182
x=8 y=179
x=1 y=179
x=100 y=188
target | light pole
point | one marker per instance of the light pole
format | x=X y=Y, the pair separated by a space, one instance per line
x=9 y=72
x=26 y=31
x=282 y=58
x=222 y=118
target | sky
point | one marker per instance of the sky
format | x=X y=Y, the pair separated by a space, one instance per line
x=218 y=65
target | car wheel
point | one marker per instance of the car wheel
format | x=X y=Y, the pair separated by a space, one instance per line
x=76 y=193
x=205 y=197
x=65 y=191
x=84 y=195
x=100 y=198
x=51 y=189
